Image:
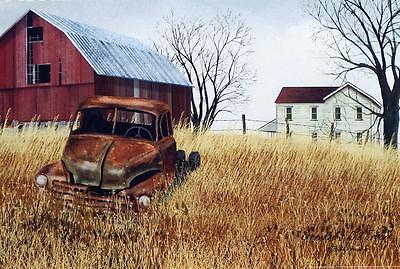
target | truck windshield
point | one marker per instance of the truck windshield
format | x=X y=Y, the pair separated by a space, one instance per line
x=116 y=121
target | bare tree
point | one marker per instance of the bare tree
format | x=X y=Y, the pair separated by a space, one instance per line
x=213 y=57
x=364 y=35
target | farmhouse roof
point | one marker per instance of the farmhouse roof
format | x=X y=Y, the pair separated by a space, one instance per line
x=316 y=94
x=115 y=55
x=358 y=90
x=304 y=94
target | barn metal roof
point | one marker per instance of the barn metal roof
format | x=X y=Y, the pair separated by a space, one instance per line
x=112 y=54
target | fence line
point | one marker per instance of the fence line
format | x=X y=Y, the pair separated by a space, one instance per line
x=244 y=128
x=251 y=120
x=330 y=134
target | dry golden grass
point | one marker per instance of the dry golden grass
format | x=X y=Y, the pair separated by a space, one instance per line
x=255 y=202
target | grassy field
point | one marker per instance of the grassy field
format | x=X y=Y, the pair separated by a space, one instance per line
x=255 y=202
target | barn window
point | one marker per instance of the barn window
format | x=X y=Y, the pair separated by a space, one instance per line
x=359 y=113
x=314 y=113
x=43 y=73
x=60 y=73
x=338 y=114
x=338 y=134
x=38 y=73
x=29 y=74
x=289 y=113
x=35 y=34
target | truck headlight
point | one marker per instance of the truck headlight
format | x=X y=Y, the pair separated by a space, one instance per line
x=41 y=181
x=144 y=201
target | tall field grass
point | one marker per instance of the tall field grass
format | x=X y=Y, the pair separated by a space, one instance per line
x=254 y=203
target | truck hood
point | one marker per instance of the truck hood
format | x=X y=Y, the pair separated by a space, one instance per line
x=108 y=162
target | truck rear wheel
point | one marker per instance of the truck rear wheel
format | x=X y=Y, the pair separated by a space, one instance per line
x=194 y=160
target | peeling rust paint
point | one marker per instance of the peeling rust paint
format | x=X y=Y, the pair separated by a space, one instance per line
x=104 y=168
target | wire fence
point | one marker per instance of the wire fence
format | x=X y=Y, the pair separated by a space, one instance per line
x=244 y=125
x=273 y=128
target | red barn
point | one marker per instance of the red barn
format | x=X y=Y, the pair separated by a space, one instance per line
x=50 y=64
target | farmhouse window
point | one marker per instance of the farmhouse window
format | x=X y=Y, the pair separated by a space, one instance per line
x=289 y=113
x=314 y=113
x=359 y=113
x=35 y=34
x=338 y=114
x=338 y=134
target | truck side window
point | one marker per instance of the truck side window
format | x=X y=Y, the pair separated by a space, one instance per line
x=164 y=126
x=170 y=130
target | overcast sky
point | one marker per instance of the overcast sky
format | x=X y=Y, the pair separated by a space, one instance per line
x=285 y=52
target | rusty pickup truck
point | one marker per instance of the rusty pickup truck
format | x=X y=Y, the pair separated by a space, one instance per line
x=120 y=152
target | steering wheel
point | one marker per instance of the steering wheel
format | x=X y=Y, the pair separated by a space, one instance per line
x=139 y=130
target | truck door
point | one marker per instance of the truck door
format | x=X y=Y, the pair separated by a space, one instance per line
x=167 y=144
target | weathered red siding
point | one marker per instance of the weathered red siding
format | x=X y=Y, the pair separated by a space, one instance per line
x=48 y=102
x=78 y=79
x=56 y=48
x=175 y=96
x=7 y=60
x=45 y=99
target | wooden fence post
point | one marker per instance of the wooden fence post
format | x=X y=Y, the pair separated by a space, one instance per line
x=4 y=123
x=244 y=123
x=71 y=122
x=287 y=128
x=331 y=132
x=366 y=138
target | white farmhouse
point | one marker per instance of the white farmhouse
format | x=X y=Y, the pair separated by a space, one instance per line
x=346 y=112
